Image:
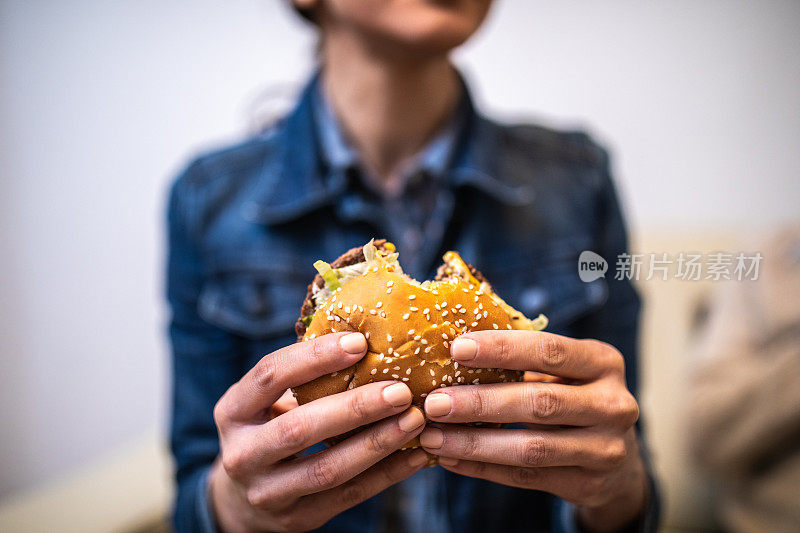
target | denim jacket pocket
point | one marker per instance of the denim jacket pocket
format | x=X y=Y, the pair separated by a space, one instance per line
x=545 y=280
x=253 y=301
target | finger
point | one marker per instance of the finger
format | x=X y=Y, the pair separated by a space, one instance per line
x=328 y=417
x=524 y=447
x=533 y=403
x=538 y=351
x=332 y=467
x=573 y=484
x=312 y=511
x=290 y=366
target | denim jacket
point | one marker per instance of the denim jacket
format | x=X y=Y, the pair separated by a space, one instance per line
x=246 y=223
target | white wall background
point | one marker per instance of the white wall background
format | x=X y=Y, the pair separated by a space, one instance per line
x=101 y=103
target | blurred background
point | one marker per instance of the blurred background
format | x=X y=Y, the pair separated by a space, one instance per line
x=101 y=103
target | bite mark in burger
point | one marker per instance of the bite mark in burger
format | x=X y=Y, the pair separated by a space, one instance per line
x=409 y=325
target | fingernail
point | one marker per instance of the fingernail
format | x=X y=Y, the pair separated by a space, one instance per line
x=397 y=394
x=411 y=419
x=463 y=349
x=438 y=404
x=418 y=458
x=447 y=461
x=431 y=438
x=353 y=343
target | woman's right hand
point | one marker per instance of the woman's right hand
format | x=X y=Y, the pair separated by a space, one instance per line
x=258 y=484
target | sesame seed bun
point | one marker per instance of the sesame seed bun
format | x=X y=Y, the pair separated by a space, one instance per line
x=409 y=325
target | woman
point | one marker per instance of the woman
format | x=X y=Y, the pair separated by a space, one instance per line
x=385 y=142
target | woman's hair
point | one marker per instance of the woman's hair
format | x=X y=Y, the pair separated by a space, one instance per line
x=307 y=14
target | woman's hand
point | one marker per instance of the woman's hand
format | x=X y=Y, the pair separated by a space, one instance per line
x=579 y=441
x=258 y=483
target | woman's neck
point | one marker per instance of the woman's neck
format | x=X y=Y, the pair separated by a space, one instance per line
x=389 y=108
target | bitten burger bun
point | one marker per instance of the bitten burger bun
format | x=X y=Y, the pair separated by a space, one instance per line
x=409 y=325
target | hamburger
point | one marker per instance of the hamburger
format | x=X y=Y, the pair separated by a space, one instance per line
x=408 y=324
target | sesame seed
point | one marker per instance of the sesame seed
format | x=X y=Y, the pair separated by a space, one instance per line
x=444 y=313
x=473 y=324
x=432 y=372
x=360 y=309
x=417 y=337
x=508 y=326
x=494 y=326
x=455 y=365
x=335 y=374
x=458 y=373
x=385 y=370
x=411 y=332
x=476 y=298
x=423 y=394
x=378 y=305
x=388 y=291
x=422 y=363
x=476 y=381
x=312 y=335
x=426 y=311
x=340 y=305
x=388 y=337
x=428 y=349
x=442 y=385
x=351 y=385
x=372 y=311
x=458 y=306
x=471 y=286
x=465 y=290
x=424 y=341
x=383 y=314
x=374 y=269
x=373 y=371
x=366 y=335
x=437 y=307
x=405 y=379
x=445 y=344
x=337 y=319
x=346 y=377
x=416 y=351
x=433 y=382
x=347 y=309
x=390 y=350
x=462 y=310
x=389 y=283
x=444 y=304
x=388 y=360
x=435 y=292
x=449 y=379
x=485 y=314
x=444 y=336
x=408 y=371
x=396 y=367
x=412 y=296
x=460 y=379
x=405 y=316
x=414 y=309
x=480 y=306
x=395 y=376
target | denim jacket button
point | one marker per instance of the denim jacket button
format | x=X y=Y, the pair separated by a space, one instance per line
x=533 y=299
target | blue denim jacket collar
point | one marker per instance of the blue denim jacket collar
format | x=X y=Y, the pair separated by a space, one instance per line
x=294 y=181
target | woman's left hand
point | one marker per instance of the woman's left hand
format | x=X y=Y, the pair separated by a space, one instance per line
x=579 y=441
